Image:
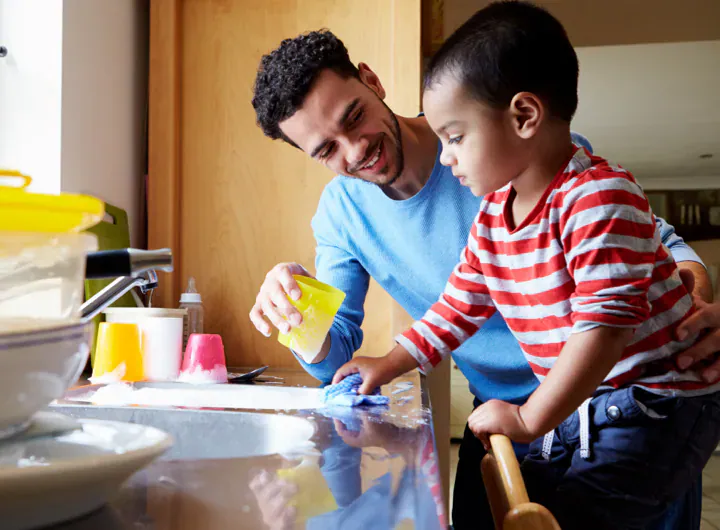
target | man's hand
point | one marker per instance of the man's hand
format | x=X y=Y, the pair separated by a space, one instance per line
x=272 y=302
x=273 y=497
x=499 y=417
x=706 y=319
x=377 y=371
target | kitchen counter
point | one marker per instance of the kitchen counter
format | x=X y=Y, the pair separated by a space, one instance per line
x=364 y=468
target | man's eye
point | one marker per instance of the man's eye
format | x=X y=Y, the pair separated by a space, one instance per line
x=328 y=152
x=356 y=118
x=455 y=140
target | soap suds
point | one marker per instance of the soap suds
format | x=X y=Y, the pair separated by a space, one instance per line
x=218 y=396
x=198 y=376
x=110 y=377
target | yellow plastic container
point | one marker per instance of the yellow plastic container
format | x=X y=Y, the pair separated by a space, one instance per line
x=318 y=304
x=42 y=253
x=23 y=211
x=118 y=354
x=313 y=496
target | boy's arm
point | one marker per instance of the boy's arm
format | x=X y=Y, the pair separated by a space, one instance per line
x=610 y=247
x=585 y=361
x=462 y=309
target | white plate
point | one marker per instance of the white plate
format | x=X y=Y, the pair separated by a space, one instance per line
x=52 y=479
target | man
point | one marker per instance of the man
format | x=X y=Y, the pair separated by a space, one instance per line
x=392 y=201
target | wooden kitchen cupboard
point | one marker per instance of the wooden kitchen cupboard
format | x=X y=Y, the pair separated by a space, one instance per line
x=232 y=203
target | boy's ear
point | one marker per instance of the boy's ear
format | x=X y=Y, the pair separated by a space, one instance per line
x=527 y=113
x=370 y=78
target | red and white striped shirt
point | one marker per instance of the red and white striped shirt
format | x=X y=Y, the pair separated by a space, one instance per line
x=588 y=255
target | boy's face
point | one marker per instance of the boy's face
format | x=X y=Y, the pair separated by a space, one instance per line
x=480 y=144
x=345 y=125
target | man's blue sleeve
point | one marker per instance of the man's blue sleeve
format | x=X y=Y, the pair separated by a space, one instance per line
x=336 y=266
x=680 y=250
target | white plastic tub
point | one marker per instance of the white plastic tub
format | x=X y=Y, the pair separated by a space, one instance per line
x=41 y=278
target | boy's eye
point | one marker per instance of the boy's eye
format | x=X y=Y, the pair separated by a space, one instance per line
x=455 y=140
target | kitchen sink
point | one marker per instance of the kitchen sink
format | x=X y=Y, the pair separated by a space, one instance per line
x=225 y=434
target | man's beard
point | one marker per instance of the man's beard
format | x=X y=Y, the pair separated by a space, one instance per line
x=399 y=156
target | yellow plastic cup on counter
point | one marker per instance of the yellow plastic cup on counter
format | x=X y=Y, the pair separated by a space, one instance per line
x=318 y=305
x=118 y=354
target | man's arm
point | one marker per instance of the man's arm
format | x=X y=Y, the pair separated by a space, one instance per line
x=686 y=259
x=702 y=286
x=337 y=266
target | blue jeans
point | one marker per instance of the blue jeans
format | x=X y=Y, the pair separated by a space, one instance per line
x=471 y=510
x=684 y=513
x=647 y=451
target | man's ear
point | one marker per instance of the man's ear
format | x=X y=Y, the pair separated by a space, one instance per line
x=370 y=78
x=527 y=113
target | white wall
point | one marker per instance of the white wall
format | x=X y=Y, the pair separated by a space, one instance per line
x=104 y=79
x=30 y=90
x=73 y=93
x=653 y=107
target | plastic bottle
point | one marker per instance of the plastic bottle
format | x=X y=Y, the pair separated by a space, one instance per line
x=193 y=321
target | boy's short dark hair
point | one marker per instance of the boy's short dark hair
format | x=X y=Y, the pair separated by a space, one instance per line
x=510 y=47
x=286 y=75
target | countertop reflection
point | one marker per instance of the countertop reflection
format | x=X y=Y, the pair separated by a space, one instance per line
x=364 y=468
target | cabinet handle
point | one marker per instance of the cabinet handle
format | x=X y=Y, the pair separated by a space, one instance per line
x=3 y=51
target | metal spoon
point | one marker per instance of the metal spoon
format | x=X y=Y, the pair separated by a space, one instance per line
x=248 y=377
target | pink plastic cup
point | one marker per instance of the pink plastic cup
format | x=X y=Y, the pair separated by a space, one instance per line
x=204 y=360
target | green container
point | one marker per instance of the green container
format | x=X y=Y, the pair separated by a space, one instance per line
x=111 y=235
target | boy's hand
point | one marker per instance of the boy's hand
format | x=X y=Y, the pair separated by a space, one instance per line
x=377 y=371
x=499 y=417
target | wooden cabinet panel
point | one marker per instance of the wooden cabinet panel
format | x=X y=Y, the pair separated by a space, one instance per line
x=461 y=402
x=230 y=202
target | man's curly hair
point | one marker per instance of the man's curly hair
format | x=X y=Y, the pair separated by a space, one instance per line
x=286 y=75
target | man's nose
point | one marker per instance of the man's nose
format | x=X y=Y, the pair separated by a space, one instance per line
x=356 y=151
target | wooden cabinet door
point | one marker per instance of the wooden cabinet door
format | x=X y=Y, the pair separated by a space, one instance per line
x=228 y=201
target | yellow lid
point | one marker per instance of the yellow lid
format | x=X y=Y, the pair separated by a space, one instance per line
x=24 y=211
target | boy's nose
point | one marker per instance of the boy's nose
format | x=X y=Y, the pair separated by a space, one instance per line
x=447 y=158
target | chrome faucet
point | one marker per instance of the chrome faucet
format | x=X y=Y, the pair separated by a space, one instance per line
x=135 y=268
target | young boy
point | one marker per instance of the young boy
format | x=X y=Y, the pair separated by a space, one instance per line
x=565 y=247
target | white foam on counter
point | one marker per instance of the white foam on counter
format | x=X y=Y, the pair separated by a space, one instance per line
x=216 y=396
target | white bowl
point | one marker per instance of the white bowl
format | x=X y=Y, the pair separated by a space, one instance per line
x=37 y=367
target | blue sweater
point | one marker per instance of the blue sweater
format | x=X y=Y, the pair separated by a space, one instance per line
x=410 y=248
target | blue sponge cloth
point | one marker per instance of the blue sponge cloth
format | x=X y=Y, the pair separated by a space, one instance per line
x=345 y=394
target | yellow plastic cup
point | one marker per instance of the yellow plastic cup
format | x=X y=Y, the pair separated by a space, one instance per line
x=118 y=354
x=318 y=305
